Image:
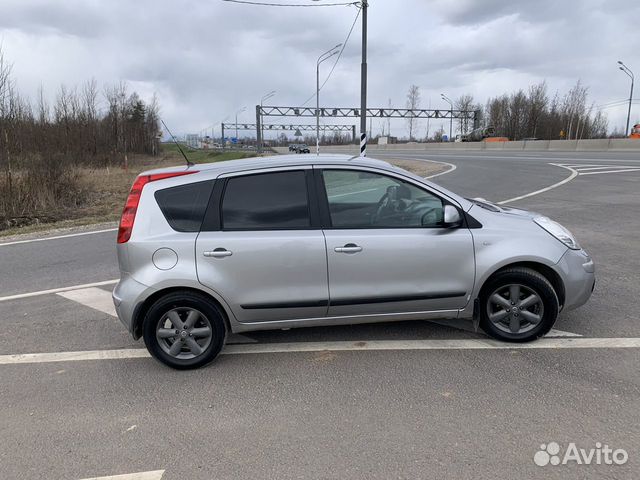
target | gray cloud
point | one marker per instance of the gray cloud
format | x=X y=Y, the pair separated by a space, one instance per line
x=207 y=59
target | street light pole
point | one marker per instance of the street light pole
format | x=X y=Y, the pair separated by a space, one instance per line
x=222 y=130
x=447 y=99
x=261 y=119
x=239 y=111
x=629 y=73
x=325 y=56
x=363 y=82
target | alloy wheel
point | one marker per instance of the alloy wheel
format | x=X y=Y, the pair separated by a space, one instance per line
x=184 y=333
x=515 y=308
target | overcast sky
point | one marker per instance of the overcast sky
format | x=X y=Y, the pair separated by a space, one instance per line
x=207 y=58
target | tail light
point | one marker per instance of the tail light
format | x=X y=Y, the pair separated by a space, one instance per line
x=131 y=206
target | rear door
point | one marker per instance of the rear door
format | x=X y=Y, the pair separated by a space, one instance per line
x=265 y=253
x=387 y=250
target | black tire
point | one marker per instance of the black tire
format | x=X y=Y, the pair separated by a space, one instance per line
x=184 y=302
x=532 y=282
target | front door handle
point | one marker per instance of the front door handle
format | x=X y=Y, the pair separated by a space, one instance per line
x=218 y=253
x=349 y=248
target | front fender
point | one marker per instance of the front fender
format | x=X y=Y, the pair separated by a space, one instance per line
x=496 y=250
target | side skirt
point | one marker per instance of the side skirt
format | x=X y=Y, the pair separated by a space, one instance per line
x=239 y=327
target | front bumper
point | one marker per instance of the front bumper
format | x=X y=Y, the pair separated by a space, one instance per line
x=578 y=273
x=127 y=295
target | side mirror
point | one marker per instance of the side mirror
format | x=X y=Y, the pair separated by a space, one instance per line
x=452 y=218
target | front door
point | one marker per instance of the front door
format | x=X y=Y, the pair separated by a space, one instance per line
x=266 y=259
x=387 y=250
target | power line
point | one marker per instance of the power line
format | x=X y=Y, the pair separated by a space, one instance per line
x=612 y=102
x=268 y=4
x=618 y=103
x=344 y=45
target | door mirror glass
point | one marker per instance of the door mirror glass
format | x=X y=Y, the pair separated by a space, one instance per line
x=452 y=217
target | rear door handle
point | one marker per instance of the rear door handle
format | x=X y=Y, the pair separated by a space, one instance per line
x=218 y=253
x=349 y=248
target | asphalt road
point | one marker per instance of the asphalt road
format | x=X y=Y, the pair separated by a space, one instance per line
x=347 y=414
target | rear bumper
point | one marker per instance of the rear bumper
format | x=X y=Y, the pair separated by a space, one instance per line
x=127 y=295
x=578 y=273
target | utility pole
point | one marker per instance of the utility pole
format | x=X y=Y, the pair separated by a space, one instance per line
x=258 y=128
x=363 y=82
x=629 y=73
x=448 y=100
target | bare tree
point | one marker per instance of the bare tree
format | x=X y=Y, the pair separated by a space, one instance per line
x=465 y=102
x=537 y=100
x=41 y=154
x=413 y=102
x=575 y=105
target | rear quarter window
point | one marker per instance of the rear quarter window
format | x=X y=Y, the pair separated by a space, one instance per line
x=184 y=206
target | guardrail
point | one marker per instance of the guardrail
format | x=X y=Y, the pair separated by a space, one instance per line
x=594 y=145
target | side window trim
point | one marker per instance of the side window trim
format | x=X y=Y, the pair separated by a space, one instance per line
x=323 y=200
x=211 y=222
x=313 y=197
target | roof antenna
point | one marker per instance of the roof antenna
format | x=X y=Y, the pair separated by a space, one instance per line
x=189 y=162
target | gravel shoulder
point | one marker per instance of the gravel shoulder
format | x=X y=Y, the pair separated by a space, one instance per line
x=424 y=168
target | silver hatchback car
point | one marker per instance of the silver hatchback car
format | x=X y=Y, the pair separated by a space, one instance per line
x=288 y=241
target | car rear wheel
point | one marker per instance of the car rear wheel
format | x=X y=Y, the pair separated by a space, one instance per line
x=518 y=305
x=184 y=330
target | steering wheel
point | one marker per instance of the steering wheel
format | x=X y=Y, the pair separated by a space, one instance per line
x=388 y=204
x=383 y=204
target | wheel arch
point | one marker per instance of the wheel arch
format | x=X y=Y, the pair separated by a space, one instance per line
x=546 y=271
x=143 y=307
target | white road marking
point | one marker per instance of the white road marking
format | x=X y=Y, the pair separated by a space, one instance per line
x=74 y=356
x=466 y=326
x=375 y=345
x=612 y=171
x=553 y=333
x=80 y=234
x=57 y=290
x=154 y=475
x=452 y=167
x=574 y=174
x=597 y=167
x=92 y=297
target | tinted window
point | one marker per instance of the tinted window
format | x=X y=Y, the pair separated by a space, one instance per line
x=184 y=206
x=268 y=201
x=359 y=199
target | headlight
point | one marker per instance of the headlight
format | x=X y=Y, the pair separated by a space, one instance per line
x=558 y=231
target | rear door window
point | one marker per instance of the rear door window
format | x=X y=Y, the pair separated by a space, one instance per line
x=266 y=201
x=184 y=206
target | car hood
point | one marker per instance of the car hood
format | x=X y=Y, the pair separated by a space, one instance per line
x=507 y=210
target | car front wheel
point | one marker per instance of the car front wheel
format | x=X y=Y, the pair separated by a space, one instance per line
x=184 y=330
x=518 y=305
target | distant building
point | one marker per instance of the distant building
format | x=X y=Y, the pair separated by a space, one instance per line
x=387 y=140
x=192 y=140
